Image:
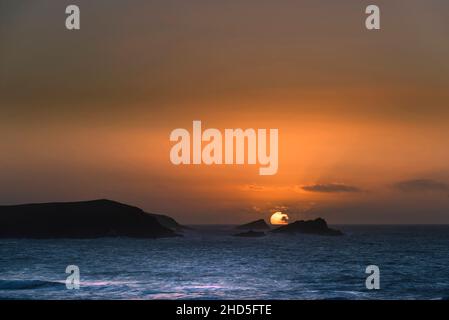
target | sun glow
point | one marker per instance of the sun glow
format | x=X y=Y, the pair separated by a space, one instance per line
x=279 y=218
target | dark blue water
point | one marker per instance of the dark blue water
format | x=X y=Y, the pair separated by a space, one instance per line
x=209 y=263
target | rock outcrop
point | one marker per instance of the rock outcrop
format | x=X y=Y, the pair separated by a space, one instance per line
x=250 y=234
x=317 y=226
x=86 y=219
x=255 y=225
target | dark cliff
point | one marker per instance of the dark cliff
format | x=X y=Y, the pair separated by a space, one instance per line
x=86 y=219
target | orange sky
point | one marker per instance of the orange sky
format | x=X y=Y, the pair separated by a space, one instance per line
x=362 y=116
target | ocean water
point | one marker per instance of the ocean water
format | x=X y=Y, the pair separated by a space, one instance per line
x=209 y=263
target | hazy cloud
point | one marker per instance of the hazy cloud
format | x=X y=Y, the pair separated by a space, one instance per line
x=254 y=187
x=282 y=208
x=331 y=187
x=419 y=185
x=268 y=188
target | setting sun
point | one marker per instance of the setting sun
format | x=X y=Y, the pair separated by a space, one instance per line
x=279 y=218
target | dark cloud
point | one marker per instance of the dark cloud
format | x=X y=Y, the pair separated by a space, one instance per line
x=420 y=185
x=331 y=187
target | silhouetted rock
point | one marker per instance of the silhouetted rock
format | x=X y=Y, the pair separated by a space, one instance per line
x=86 y=219
x=255 y=225
x=317 y=226
x=168 y=222
x=250 y=234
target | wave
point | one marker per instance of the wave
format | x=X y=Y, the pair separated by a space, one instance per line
x=28 y=284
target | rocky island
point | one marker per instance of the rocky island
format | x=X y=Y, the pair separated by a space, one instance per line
x=85 y=219
x=255 y=225
x=317 y=226
x=250 y=234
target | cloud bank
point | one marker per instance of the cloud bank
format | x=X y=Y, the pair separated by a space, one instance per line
x=331 y=188
x=421 y=185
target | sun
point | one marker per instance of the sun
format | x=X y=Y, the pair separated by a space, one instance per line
x=279 y=218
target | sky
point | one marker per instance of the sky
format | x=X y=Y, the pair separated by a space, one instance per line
x=362 y=115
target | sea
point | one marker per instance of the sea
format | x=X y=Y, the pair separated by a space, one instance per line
x=208 y=262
